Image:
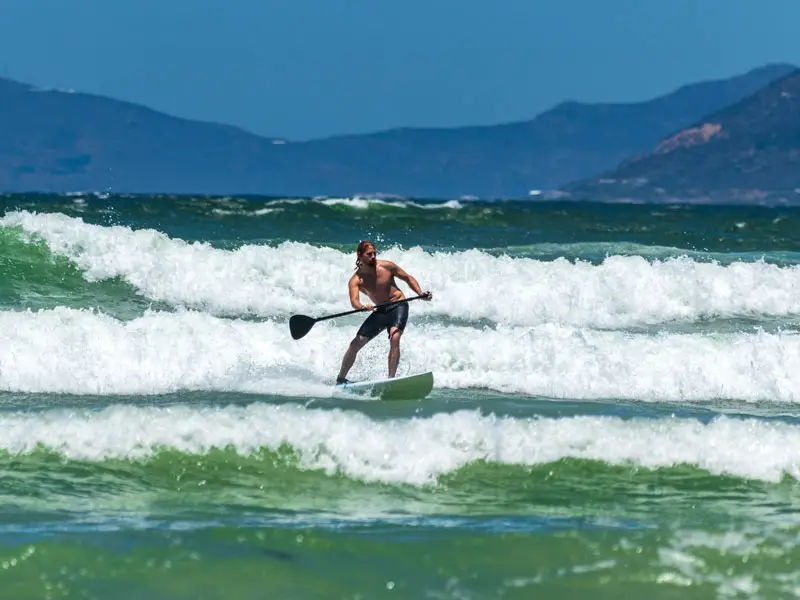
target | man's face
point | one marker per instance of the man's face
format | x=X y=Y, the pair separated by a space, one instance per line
x=369 y=256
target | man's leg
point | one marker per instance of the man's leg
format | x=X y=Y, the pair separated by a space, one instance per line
x=350 y=356
x=394 y=349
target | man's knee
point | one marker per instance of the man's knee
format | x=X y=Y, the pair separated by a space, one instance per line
x=394 y=336
x=358 y=342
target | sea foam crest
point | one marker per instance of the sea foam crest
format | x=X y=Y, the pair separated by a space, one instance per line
x=469 y=285
x=415 y=451
x=82 y=352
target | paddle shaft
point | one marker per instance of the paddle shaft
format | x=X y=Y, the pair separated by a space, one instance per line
x=350 y=312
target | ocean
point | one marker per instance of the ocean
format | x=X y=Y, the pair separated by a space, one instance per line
x=614 y=412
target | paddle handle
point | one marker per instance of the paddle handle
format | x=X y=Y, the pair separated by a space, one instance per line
x=350 y=312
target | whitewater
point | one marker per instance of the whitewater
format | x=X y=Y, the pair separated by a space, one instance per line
x=615 y=404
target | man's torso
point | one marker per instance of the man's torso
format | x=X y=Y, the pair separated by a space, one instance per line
x=379 y=284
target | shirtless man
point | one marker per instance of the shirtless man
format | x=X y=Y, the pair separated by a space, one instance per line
x=376 y=279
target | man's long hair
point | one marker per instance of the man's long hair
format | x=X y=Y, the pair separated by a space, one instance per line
x=362 y=247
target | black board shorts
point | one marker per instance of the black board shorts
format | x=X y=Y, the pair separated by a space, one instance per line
x=384 y=318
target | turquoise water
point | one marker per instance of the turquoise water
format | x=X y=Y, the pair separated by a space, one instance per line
x=614 y=413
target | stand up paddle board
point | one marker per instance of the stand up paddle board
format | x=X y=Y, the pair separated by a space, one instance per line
x=409 y=387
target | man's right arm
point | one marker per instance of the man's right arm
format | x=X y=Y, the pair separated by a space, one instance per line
x=355 y=300
x=352 y=285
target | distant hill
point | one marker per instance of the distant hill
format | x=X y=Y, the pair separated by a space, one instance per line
x=62 y=141
x=746 y=152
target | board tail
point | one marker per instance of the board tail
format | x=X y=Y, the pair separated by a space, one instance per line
x=409 y=387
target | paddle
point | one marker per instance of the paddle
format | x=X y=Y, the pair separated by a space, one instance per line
x=299 y=325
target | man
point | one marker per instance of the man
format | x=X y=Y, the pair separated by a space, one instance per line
x=376 y=279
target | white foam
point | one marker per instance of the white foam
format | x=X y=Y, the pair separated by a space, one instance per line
x=250 y=279
x=72 y=351
x=470 y=285
x=564 y=362
x=412 y=451
x=363 y=203
x=242 y=212
x=686 y=558
x=82 y=352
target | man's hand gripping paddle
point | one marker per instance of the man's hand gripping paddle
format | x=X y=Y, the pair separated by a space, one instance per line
x=299 y=325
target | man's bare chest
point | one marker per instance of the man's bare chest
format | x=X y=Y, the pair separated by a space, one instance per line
x=379 y=279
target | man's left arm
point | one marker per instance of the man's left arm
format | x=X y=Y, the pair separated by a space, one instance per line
x=398 y=272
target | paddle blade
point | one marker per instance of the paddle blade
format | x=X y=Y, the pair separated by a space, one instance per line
x=299 y=325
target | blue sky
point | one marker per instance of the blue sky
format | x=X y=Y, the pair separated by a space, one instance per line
x=311 y=68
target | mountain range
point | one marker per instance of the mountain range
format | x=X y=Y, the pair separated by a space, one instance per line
x=747 y=152
x=58 y=141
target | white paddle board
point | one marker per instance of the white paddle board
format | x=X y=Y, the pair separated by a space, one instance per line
x=408 y=387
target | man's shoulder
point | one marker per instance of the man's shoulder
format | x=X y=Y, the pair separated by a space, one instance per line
x=386 y=264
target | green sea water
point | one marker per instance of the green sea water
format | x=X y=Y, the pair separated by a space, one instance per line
x=615 y=410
